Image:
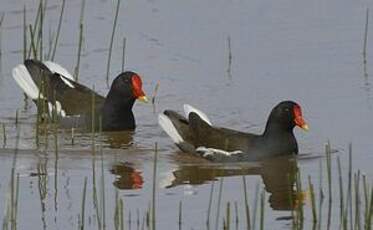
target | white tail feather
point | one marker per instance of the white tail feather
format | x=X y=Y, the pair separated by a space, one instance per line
x=169 y=128
x=56 y=68
x=24 y=80
x=188 y=109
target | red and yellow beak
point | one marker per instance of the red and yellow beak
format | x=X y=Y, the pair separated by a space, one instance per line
x=137 y=89
x=298 y=120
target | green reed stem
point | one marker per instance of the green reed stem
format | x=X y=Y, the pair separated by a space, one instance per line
x=83 y=204
x=368 y=222
x=58 y=30
x=81 y=26
x=366 y=199
x=50 y=43
x=229 y=68
x=366 y=35
x=329 y=173
x=33 y=29
x=16 y=202
x=329 y=169
x=247 y=209
x=72 y=136
x=94 y=186
x=210 y=203
x=1 y=35
x=256 y=199
x=138 y=218
x=219 y=203
x=54 y=122
x=357 y=224
x=116 y=210
x=321 y=194
x=154 y=186
x=24 y=34
x=313 y=202
x=4 y=136
x=348 y=210
x=2 y=19
x=262 y=210
x=111 y=43
x=154 y=96
x=102 y=179
x=236 y=214
x=14 y=185
x=228 y=216
x=124 y=53
x=40 y=35
x=180 y=221
x=341 y=193
x=121 y=213
x=33 y=47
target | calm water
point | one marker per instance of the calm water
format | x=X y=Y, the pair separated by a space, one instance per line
x=307 y=51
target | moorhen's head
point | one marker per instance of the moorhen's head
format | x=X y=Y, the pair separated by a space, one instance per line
x=129 y=85
x=286 y=115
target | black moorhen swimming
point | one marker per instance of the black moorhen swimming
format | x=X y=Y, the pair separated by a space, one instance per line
x=197 y=135
x=73 y=101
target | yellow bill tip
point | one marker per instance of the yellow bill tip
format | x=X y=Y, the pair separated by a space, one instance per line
x=143 y=99
x=305 y=127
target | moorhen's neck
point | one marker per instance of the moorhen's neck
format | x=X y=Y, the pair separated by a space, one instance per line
x=279 y=137
x=117 y=112
x=276 y=127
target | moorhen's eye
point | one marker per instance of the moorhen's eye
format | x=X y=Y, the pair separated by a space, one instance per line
x=287 y=110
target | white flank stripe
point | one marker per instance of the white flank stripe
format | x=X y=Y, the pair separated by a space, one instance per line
x=188 y=109
x=211 y=151
x=24 y=80
x=169 y=128
x=56 y=68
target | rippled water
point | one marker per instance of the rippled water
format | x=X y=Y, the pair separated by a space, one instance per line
x=306 y=51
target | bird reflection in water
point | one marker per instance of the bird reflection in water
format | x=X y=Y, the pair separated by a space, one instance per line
x=118 y=140
x=278 y=174
x=127 y=176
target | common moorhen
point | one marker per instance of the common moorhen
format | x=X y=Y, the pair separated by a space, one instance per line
x=74 y=103
x=197 y=135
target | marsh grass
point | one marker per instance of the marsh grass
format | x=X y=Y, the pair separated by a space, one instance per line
x=247 y=208
x=81 y=31
x=1 y=38
x=4 y=135
x=210 y=204
x=124 y=53
x=365 y=41
x=220 y=195
x=154 y=189
x=24 y=33
x=180 y=220
x=41 y=26
x=58 y=30
x=155 y=92
x=230 y=57
x=111 y=43
x=82 y=215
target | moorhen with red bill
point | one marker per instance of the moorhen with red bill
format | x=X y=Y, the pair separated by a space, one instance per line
x=73 y=102
x=196 y=134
